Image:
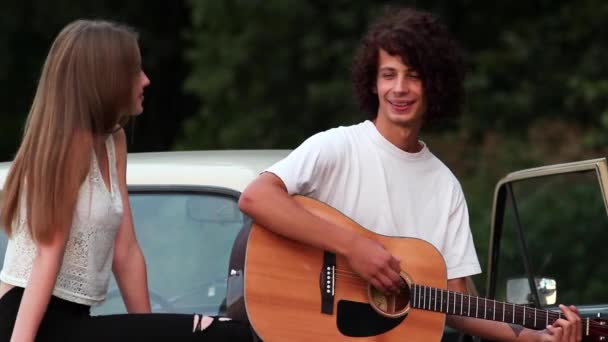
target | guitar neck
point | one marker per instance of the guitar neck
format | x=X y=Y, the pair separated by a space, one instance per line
x=455 y=303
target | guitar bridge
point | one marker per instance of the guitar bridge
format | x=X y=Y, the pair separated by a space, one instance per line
x=327 y=283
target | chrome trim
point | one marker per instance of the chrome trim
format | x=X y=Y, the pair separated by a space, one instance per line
x=209 y=189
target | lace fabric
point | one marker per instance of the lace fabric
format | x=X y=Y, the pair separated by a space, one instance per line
x=85 y=272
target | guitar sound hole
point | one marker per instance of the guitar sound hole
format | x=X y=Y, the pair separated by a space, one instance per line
x=396 y=305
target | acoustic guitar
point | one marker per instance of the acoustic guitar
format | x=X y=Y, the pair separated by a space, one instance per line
x=295 y=292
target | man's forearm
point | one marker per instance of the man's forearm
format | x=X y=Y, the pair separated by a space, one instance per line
x=496 y=331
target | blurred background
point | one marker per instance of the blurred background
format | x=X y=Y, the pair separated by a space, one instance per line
x=235 y=74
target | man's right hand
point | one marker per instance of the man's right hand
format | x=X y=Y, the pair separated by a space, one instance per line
x=375 y=264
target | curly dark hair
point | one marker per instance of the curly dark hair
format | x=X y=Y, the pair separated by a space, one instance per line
x=426 y=46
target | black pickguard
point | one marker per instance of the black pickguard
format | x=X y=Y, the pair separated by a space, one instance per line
x=357 y=319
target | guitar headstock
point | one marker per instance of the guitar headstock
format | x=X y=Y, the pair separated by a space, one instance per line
x=598 y=330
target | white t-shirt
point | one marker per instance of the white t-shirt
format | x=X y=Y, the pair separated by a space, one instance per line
x=385 y=189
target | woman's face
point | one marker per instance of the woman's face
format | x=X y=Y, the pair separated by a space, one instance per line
x=137 y=96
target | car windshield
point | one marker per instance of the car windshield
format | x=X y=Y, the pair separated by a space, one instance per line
x=186 y=237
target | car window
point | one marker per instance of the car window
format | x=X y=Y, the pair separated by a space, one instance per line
x=3 y=242
x=186 y=238
x=564 y=224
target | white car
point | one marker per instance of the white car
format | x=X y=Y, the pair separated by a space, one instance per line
x=186 y=219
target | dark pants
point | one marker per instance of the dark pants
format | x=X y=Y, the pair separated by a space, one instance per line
x=67 y=321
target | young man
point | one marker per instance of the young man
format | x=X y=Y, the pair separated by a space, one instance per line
x=407 y=71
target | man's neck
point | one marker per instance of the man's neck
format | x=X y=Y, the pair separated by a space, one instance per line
x=404 y=137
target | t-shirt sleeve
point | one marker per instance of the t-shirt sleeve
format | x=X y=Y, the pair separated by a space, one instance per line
x=460 y=255
x=305 y=167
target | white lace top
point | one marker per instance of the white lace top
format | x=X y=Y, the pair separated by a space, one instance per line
x=85 y=272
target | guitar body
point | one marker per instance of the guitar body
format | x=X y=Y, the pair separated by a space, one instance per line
x=283 y=290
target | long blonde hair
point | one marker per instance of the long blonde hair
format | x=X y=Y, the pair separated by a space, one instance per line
x=86 y=83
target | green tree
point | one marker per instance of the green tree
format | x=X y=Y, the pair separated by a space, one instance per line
x=545 y=62
x=268 y=73
x=28 y=27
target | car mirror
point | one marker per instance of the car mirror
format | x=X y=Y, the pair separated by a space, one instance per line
x=518 y=291
x=216 y=209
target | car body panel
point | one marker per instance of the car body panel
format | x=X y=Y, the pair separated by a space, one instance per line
x=158 y=182
x=229 y=169
x=232 y=169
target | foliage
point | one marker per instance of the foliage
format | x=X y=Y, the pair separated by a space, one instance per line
x=28 y=27
x=267 y=74
x=546 y=63
x=270 y=73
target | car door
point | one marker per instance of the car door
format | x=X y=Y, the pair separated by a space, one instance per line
x=547 y=245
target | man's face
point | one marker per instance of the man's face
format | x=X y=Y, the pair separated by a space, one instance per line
x=400 y=92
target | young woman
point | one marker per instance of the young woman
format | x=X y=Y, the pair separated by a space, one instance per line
x=66 y=207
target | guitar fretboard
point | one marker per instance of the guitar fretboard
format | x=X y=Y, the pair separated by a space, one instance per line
x=455 y=303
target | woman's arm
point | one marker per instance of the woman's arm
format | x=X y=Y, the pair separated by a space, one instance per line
x=40 y=286
x=129 y=265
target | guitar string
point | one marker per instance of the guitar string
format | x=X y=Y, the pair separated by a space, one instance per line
x=340 y=271
x=519 y=311
x=594 y=326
